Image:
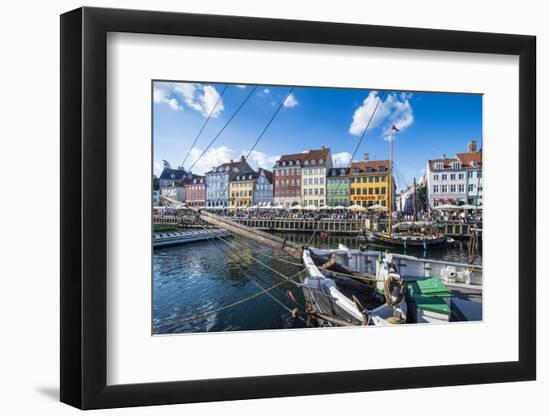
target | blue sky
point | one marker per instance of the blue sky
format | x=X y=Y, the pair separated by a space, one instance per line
x=431 y=124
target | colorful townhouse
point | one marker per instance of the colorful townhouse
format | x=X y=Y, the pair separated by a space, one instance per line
x=263 y=189
x=369 y=183
x=218 y=179
x=315 y=164
x=287 y=180
x=241 y=189
x=338 y=187
x=195 y=192
x=456 y=180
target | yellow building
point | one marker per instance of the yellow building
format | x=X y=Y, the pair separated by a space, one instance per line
x=241 y=189
x=369 y=183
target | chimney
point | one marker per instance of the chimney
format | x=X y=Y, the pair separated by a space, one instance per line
x=366 y=157
x=444 y=156
x=242 y=158
x=323 y=148
x=230 y=161
x=472 y=146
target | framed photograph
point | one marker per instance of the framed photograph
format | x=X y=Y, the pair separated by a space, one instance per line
x=257 y=208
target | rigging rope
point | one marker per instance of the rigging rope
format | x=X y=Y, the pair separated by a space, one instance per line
x=224 y=126
x=204 y=125
x=270 y=121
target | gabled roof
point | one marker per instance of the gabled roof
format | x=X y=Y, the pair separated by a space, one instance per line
x=465 y=159
x=248 y=176
x=195 y=179
x=314 y=154
x=337 y=172
x=177 y=173
x=268 y=174
x=468 y=157
x=224 y=167
x=368 y=167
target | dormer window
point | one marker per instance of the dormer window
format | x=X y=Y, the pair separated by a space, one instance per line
x=382 y=169
x=306 y=162
x=439 y=165
x=474 y=163
x=321 y=161
x=456 y=165
x=369 y=169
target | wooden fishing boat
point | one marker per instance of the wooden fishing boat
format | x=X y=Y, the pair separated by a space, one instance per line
x=406 y=240
x=341 y=300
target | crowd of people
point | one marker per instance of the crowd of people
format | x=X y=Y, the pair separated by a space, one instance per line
x=463 y=216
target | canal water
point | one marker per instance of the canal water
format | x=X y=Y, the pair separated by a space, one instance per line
x=193 y=284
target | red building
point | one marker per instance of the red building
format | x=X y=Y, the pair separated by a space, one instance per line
x=195 y=192
x=287 y=176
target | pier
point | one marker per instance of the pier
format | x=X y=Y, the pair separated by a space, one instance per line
x=454 y=229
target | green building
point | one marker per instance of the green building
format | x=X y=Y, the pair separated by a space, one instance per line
x=338 y=187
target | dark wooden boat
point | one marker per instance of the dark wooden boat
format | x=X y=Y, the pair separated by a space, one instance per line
x=406 y=241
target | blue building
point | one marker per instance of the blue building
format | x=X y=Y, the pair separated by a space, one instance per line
x=263 y=189
x=217 y=181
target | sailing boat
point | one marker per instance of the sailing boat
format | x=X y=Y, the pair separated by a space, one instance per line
x=421 y=237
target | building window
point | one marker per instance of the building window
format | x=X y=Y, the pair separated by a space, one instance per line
x=453 y=188
x=453 y=176
x=383 y=190
x=436 y=189
x=436 y=177
x=377 y=190
x=470 y=174
x=443 y=177
x=470 y=188
x=460 y=176
x=456 y=165
x=460 y=188
x=443 y=188
x=439 y=165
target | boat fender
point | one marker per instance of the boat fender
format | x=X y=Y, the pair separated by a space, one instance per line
x=296 y=313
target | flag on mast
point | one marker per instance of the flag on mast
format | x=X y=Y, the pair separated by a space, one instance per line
x=393 y=127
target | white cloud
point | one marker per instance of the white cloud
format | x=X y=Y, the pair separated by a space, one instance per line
x=240 y=86
x=394 y=110
x=266 y=91
x=259 y=159
x=217 y=156
x=290 y=101
x=202 y=98
x=163 y=95
x=157 y=168
x=341 y=160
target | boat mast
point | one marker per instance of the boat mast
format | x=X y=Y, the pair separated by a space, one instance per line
x=390 y=187
x=414 y=199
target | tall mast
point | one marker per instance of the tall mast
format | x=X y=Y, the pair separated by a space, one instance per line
x=414 y=199
x=390 y=187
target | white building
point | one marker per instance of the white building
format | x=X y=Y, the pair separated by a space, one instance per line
x=314 y=173
x=456 y=180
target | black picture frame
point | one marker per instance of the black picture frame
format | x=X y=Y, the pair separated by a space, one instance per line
x=84 y=207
